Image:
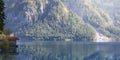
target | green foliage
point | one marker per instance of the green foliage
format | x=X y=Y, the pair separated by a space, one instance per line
x=2 y=15
x=5 y=44
x=93 y=16
x=117 y=19
x=1 y=32
x=57 y=20
x=114 y=32
x=81 y=20
x=86 y=33
x=7 y=31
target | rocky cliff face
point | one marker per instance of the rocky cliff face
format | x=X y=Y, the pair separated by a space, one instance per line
x=82 y=19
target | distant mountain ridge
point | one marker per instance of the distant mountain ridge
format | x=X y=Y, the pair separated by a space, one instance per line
x=81 y=19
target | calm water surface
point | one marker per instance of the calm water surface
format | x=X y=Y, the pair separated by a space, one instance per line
x=48 y=50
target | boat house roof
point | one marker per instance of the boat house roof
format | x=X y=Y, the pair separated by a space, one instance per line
x=9 y=38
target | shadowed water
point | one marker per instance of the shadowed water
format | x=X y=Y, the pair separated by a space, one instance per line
x=49 y=50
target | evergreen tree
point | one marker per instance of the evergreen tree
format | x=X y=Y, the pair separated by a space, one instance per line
x=2 y=15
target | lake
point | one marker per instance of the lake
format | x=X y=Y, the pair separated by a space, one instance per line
x=60 y=50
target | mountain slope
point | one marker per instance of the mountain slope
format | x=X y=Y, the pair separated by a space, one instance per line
x=85 y=20
x=103 y=15
x=43 y=18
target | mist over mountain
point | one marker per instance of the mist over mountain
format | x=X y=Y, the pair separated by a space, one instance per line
x=85 y=20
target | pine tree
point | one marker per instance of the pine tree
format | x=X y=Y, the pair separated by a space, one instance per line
x=2 y=15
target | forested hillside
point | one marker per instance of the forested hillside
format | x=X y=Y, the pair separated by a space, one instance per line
x=103 y=15
x=84 y=20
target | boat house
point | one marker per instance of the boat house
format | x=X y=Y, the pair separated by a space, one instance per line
x=12 y=49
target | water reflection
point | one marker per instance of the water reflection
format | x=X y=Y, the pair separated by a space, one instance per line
x=10 y=50
x=70 y=51
x=6 y=52
x=42 y=50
